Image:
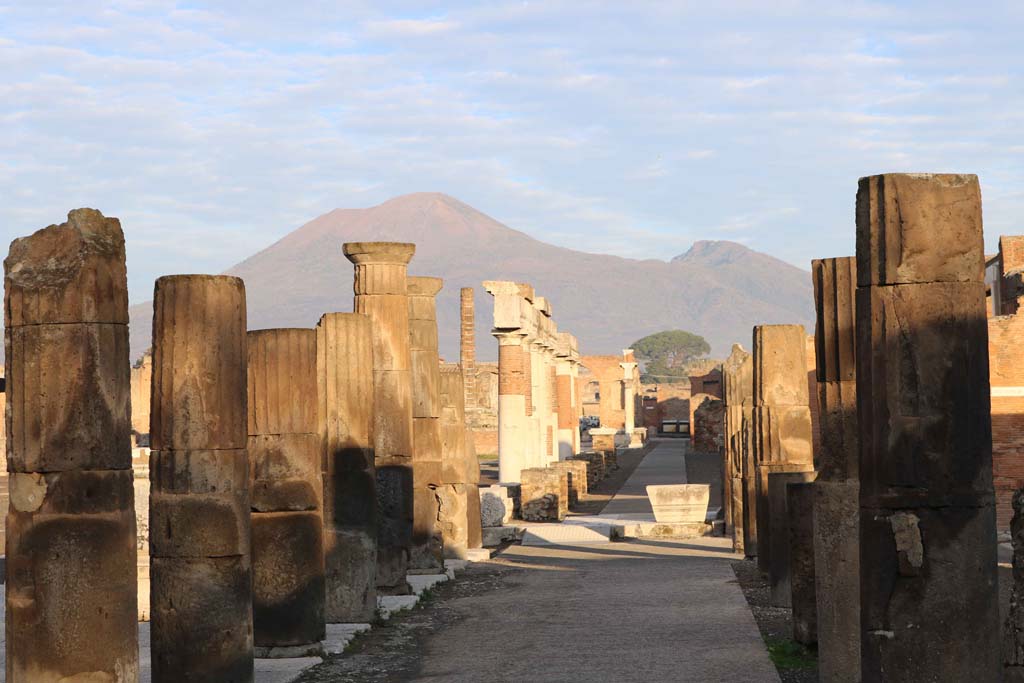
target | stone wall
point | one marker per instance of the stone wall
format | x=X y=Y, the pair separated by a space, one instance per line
x=709 y=425
x=708 y=383
x=1007 y=382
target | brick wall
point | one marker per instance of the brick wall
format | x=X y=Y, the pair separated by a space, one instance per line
x=1006 y=368
x=709 y=383
x=709 y=425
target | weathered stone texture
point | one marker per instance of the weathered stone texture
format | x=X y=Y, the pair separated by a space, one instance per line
x=545 y=494
x=709 y=426
x=200 y=529
x=346 y=428
x=737 y=378
x=286 y=489
x=780 y=365
x=927 y=525
x=779 y=557
x=381 y=293
x=837 y=579
x=71 y=559
x=800 y=511
x=577 y=470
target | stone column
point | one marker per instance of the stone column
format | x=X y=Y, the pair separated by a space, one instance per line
x=454 y=489
x=781 y=416
x=381 y=293
x=800 y=507
x=344 y=349
x=71 y=558
x=749 y=475
x=629 y=399
x=737 y=377
x=199 y=535
x=568 y=422
x=538 y=404
x=512 y=427
x=836 y=491
x=467 y=346
x=779 y=529
x=427 y=554
x=286 y=492
x=929 y=607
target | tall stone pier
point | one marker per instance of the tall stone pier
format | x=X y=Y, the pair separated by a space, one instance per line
x=514 y=378
x=458 y=488
x=344 y=347
x=286 y=493
x=929 y=600
x=781 y=416
x=567 y=357
x=71 y=568
x=836 y=492
x=199 y=510
x=427 y=553
x=381 y=292
x=467 y=346
x=737 y=376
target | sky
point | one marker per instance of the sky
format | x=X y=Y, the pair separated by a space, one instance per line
x=213 y=129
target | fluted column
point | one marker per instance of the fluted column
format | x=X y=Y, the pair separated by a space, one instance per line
x=344 y=381
x=71 y=558
x=381 y=293
x=287 y=492
x=199 y=542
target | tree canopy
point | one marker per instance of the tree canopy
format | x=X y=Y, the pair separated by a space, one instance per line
x=667 y=355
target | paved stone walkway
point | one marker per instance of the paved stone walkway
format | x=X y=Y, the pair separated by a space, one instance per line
x=643 y=610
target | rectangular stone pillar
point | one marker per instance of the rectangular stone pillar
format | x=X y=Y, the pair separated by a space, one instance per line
x=71 y=556
x=929 y=607
x=199 y=509
x=836 y=497
x=800 y=511
x=381 y=292
x=749 y=476
x=344 y=381
x=427 y=553
x=737 y=376
x=779 y=569
x=286 y=494
x=781 y=416
x=459 y=513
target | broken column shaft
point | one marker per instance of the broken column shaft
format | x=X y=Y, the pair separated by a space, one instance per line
x=929 y=607
x=71 y=556
x=286 y=493
x=199 y=542
x=737 y=376
x=836 y=492
x=427 y=542
x=344 y=387
x=381 y=293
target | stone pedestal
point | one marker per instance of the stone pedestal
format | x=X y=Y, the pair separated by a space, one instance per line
x=71 y=543
x=286 y=491
x=603 y=439
x=496 y=506
x=679 y=503
x=929 y=600
x=544 y=494
x=346 y=427
x=381 y=293
x=427 y=551
x=200 y=501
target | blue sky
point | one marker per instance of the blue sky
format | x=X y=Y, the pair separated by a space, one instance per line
x=213 y=129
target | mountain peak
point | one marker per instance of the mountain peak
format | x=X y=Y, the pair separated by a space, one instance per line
x=715 y=252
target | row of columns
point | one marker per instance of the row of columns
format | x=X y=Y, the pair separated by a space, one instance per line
x=538 y=402
x=295 y=473
x=894 y=574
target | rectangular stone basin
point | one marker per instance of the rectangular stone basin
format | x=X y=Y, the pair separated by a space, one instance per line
x=679 y=502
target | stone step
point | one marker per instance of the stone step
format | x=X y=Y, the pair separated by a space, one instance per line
x=566 y=534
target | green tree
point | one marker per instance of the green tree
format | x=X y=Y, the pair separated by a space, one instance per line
x=667 y=355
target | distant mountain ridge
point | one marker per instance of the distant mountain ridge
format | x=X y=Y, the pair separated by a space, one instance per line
x=717 y=289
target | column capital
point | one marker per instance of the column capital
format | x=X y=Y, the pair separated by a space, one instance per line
x=398 y=253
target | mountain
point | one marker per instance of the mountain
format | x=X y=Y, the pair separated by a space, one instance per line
x=716 y=289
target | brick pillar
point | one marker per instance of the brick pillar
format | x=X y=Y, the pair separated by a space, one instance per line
x=929 y=607
x=287 y=489
x=781 y=416
x=199 y=507
x=738 y=381
x=836 y=491
x=551 y=366
x=568 y=423
x=344 y=381
x=381 y=293
x=71 y=565
x=513 y=386
x=467 y=347
x=427 y=553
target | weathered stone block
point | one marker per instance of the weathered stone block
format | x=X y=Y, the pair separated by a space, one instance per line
x=603 y=440
x=285 y=472
x=198 y=524
x=783 y=434
x=837 y=579
x=780 y=365
x=838 y=458
x=453 y=519
x=779 y=558
x=919 y=228
x=679 y=503
x=800 y=510
x=545 y=494
x=577 y=470
x=762 y=521
x=351 y=571
x=202 y=619
x=288 y=578
x=496 y=506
